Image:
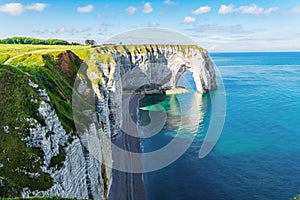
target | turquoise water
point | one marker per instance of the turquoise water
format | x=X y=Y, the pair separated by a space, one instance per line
x=257 y=155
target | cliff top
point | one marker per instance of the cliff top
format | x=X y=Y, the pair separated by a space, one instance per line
x=36 y=55
x=13 y=54
x=143 y=48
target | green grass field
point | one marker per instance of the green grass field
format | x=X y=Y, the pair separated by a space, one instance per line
x=8 y=51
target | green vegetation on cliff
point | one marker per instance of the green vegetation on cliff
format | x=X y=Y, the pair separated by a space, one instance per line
x=52 y=69
x=15 y=106
x=144 y=48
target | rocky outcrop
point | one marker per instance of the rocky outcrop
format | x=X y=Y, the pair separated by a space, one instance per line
x=82 y=173
x=160 y=68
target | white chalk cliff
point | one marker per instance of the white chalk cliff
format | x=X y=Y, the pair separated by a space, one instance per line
x=161 y=67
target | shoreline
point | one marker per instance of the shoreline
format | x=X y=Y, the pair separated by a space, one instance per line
x=177 y=90
x=125 y=185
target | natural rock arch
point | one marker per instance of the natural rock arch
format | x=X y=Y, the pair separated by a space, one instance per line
x=161 y=68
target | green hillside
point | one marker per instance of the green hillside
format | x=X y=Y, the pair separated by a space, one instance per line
x=54 y=68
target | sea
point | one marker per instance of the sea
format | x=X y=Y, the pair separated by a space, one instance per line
x=257 y=153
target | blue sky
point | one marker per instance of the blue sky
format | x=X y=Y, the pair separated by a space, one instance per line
x=229 y=25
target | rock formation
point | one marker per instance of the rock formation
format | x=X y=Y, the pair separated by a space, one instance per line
x=159 y=68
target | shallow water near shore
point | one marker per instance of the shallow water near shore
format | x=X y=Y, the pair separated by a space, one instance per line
x=257 y=155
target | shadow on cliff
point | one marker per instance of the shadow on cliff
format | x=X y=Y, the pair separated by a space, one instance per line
x=144 y=72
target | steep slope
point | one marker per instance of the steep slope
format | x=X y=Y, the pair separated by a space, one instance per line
x=42 y=152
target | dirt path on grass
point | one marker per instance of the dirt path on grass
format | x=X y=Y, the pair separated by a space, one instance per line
x=28 y=53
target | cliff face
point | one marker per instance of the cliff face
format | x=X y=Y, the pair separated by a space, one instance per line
x=68 y=159
x=159 y=68
x=81 y=172
x=42 y=152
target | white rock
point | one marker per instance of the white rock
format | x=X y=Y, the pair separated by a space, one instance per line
x=32 y=84
x=6 y=129
x=33 y=100
x=164 y=67
x=80 y=166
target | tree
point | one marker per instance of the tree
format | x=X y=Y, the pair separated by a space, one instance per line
x=25 y=40
x=90 y=42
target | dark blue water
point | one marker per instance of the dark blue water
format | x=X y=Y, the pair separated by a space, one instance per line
x=258 y=153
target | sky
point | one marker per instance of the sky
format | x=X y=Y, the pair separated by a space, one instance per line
x=219 y=26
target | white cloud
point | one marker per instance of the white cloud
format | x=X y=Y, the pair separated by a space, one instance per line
x=252 y=10
x=37 y=31
x=270 y=40
x=85 y=9
x=215 y=28
x=296 y=10
x=16 y=9
x=169 y=2
x=249 y=10
x=64 y=29
x=147 y=8
x=188 y=20
x=13 y=9
x=202 y=10
x=37 y=7
x=223 y=10
x=270 y=10
x=255 y=10
x=131 y=10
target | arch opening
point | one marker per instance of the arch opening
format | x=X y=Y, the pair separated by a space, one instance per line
x=186 y=81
